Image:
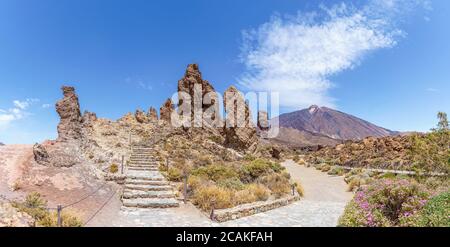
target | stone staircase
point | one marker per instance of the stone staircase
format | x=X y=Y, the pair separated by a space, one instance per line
x=144 y=186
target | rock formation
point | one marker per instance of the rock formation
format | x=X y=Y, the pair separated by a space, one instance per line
x=41 y=155
x=88 y=118
x=141 y=117
x=194 y=89
x=152 y=115
x=240 y=133
x=166 y=110
x=68 y=108
x=263 y=120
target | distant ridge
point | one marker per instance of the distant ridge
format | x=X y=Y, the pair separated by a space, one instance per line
x=332 y=123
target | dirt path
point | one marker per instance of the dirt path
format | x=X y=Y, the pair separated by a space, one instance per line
x=319 y=186
x=324 y=201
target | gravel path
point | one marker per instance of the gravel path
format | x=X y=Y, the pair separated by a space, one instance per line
x=324 y=201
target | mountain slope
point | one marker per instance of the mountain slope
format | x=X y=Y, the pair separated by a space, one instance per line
x=332 y=123
x=301 y=138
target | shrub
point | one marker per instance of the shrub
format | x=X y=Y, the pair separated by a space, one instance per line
x=278 y=184
x=204 y=160
x=336 y=170
x=114 y=168
x=231 y=183
x=205 y=197
x=35 y=206
x=249 y=157
x=195 y=182
x=174 y=174
x=244 y=196
x=436 y=212
x=215 y=172
x=67 y=220
x=301 y=162
x=257 y=168
x=385 y=203
x=299 y=189
x=325 y=168
x=260 y=191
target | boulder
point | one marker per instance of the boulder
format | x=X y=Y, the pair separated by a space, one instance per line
x=68 y=109
x=41 y=155
x=275 y=152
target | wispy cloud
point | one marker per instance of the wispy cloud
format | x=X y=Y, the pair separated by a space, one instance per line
x=45 y=106
x=139 y=83
x=19 y=111
x=297 y=55
x=433 y=90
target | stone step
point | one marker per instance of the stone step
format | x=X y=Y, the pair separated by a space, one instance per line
x=142 y=161
x=144 y=187
x=145 y=182
x=143 y=168
x=151 y=203
x=143 y=165
x=140 y=151
x=132 y=194
x=145 y=175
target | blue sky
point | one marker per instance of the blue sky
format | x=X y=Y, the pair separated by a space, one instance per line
x=386 y=61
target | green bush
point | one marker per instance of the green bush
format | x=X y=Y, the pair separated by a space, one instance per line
x=257 y=168
x=231 y=183
x=215 y=172
x=336 y=170
x=436 y=213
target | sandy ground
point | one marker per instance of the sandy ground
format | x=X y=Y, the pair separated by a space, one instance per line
x=12 y=167
x=59 y=186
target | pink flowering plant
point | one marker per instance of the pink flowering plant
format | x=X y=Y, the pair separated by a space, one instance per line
x=385 y=203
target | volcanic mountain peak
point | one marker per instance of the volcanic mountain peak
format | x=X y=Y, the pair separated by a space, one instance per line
x=313 y=109
x=332 y=123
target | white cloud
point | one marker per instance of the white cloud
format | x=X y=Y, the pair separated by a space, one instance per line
x=16 y=113
x=46 y=106
x=297 y=55
x=139 y=83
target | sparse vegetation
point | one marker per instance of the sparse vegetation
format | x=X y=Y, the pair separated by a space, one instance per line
x=174 y=174
x=113 y=168
x=36 y=207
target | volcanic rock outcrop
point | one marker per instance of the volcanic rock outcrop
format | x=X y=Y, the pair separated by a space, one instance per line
x=68 y=108
x=240 y=133
x=166 y=110
x=204 y=104
x=263 y=120
x=152 y=115
x=141 y=117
